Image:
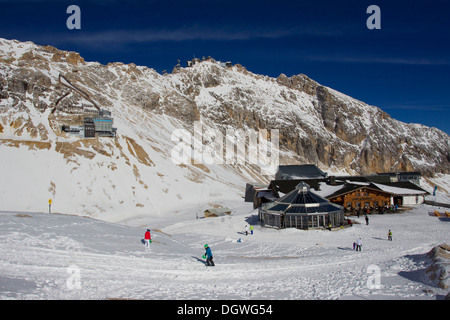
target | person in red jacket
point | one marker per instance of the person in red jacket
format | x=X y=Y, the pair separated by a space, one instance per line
x=147 y=238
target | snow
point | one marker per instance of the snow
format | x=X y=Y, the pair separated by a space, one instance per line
x=399 y=191
x=327 y=189
x=54 y=256
x=114 y=185
x=110 y=195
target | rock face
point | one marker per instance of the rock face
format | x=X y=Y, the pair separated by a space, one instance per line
x=316 y=124
x=439 y=270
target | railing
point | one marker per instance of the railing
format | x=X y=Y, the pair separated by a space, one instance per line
x=437 y=204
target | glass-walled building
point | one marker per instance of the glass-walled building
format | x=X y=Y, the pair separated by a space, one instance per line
x=301 y=209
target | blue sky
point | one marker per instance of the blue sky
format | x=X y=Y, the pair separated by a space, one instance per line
x=402 y=68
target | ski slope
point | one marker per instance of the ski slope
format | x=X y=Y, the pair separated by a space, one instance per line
x=54 y=256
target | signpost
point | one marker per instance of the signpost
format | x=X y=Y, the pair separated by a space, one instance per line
x=49 y=205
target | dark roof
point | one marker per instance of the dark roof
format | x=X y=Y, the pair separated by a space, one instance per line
x=350 y=187
x=404 y=185
x=302 y=201
x=302 y=195
x=349 y=183
x=415 y=173
x=379 y=178
x=304 y=171
x=286 y=186
x=250 y=190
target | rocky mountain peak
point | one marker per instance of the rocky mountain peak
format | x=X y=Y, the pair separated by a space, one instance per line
x=317 y=124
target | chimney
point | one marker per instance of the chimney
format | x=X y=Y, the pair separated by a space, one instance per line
x=333 y=180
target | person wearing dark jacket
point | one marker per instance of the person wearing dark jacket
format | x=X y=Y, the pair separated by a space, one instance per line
x=209 y=257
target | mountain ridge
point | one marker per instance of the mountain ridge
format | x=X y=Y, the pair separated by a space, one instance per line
x=135 y=172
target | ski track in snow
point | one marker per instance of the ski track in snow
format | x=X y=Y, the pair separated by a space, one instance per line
x=37 y=251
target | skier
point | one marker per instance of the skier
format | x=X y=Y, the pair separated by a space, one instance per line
x=251 y=229
x=367 y=220
x=209 y=257
x=246 y=230
x=147 y=238
x=358 y=244
x=390 y=235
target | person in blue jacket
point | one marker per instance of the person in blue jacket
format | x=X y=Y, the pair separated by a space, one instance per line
x=209 y=257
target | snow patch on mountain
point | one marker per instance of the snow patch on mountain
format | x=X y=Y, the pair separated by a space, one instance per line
x=133 y=176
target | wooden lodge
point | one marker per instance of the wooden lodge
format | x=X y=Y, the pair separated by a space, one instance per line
x=305 y=197
x=356 y=196
x=357 y=192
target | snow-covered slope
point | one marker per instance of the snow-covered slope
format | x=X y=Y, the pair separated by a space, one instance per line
x=52 y=256
x=130 y=176
x=132 y=180
x=133 y=176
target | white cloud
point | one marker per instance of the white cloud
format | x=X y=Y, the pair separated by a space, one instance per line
x=186 y=33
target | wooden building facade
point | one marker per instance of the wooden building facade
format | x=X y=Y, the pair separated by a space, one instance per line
x=361 y=197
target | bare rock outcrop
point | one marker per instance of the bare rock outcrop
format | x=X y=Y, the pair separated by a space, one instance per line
x=316 y=124
x=439 y=270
